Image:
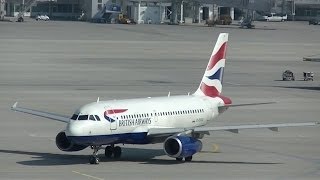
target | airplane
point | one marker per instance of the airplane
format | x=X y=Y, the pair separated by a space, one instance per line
x=176 y=121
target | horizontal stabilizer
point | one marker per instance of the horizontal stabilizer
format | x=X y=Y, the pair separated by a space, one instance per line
x=225 y=107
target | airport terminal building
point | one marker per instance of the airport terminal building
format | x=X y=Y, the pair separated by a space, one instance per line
x=147 y=11
x=152 y=11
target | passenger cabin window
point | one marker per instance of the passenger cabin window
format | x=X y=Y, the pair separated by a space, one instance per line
x=74 y=116
x=83 y=117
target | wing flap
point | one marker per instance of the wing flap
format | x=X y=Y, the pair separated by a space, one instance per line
x=48 y=115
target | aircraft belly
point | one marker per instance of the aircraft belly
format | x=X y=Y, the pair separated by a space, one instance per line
x=126 y=138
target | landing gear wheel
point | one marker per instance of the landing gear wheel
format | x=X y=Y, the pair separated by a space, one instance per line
x=93 y=160
x=188 y=159
x=108 y=152
x=179 y=159
x=117 y=152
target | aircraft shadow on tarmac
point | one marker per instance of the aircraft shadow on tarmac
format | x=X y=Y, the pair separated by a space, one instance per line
x=143 y=156
x=312 y=88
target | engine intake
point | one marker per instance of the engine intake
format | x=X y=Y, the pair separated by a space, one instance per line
x=181 y=146
x=64 y=144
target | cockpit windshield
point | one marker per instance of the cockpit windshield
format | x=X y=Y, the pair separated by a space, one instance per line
x=85 y=117
x=74 y=116
x=91 y=118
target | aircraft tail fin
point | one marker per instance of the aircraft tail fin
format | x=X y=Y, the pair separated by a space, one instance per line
x=211 y=83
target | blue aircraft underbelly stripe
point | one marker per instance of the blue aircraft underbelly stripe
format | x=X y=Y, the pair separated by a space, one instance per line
x=128 y=138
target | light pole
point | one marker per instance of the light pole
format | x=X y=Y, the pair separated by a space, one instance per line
x=181 y=13
x=293 y=9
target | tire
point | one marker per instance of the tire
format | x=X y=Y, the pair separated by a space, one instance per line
x=188 y=159
x=179 y=159
x=108 y=152
x=93 y=160
x=117 y=152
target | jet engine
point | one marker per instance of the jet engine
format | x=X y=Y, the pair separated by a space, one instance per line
x=181 y=146
x=64 y=144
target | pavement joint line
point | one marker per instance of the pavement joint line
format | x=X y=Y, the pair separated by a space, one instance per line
x=87 y=175
x=235 y=84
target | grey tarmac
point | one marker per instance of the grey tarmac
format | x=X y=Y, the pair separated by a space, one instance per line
x=57 y=66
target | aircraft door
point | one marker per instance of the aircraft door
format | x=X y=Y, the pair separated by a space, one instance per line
x=155 y=117
x=111 y=117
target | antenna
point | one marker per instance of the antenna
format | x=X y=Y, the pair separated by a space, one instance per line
x=98 y=99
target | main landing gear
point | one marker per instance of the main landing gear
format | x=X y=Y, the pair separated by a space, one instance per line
x=186 y=159
x=109 y=151
x=115 y=151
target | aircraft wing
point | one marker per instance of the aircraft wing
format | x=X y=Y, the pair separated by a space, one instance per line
x=232 y=128
x=48 y=115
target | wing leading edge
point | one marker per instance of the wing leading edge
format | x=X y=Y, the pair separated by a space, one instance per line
x=232 y=128
x=48 y=115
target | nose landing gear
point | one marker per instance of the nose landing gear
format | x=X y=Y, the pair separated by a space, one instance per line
x=94 y=158
x=109 y=151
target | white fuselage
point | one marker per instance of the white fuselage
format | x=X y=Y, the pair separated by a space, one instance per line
x=139 y=115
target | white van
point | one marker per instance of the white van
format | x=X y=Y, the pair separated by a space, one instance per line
x=276 y=17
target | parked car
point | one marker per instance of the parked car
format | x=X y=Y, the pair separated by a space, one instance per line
x=315 y=21
x=42 y=17
x=275 y=17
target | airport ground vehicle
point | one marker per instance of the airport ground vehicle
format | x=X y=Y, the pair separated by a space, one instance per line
x=42 y=17
x=246 y=22
x=288 y=76
x=275 y=17
x=308 y=76
x=315 y=21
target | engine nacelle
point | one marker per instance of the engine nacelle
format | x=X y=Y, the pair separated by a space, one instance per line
x=181 y=146
x=64 y=144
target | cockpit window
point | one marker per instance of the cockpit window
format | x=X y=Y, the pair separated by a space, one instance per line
x=97 y=117
x=83 y=117
x=91 y=118
x=74 y=116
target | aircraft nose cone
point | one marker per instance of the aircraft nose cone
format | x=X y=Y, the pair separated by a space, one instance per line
x=74 y=129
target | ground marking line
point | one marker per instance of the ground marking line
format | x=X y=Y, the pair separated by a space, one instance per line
x=87 y=175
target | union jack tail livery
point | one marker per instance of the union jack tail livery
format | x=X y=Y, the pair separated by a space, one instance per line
x=211 y=84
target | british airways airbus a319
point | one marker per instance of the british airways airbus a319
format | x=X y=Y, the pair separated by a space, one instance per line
x=176 y=121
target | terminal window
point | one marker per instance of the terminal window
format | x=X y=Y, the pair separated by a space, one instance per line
x=99 y=7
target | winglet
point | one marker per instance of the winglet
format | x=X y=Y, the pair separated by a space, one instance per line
x=14 y=105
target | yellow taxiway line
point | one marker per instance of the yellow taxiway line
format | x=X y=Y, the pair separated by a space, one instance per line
x=87 y=175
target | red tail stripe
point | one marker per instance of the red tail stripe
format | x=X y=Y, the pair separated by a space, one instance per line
x=218 y=56
x=209 y=90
